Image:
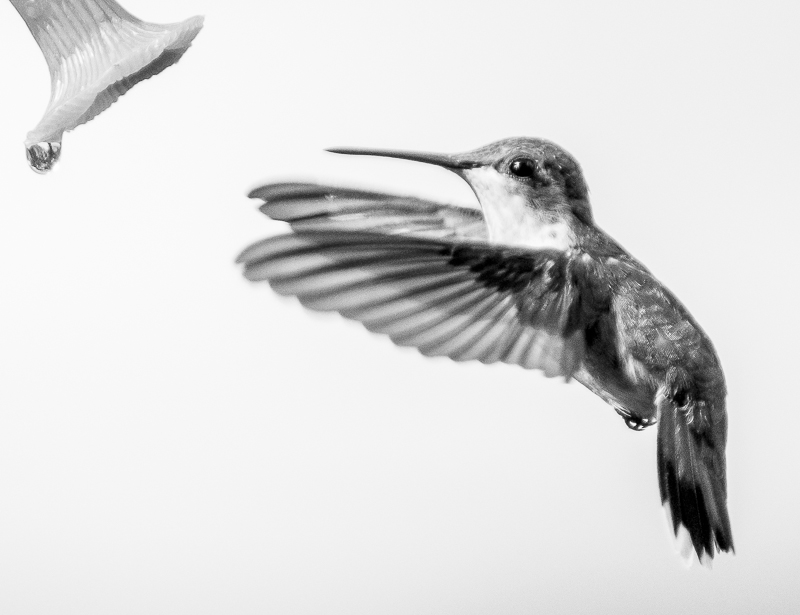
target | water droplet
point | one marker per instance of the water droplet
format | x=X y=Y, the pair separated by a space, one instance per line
x=42 y=156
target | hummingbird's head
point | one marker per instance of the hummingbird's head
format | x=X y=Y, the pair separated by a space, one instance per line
x=531 y=191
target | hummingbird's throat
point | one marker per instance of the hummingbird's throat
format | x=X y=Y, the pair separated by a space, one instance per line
x=510 y=219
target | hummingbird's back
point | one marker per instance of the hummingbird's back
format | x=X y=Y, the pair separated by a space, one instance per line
x=654 y=363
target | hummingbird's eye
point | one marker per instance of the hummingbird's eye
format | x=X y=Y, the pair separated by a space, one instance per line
x=522 y=167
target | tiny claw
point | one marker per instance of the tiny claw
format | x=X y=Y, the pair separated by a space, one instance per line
x=634 y=424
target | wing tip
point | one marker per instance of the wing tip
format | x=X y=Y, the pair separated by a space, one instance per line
x=275 y=190
x=290 y=190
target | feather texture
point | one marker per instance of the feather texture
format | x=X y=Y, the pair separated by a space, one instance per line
x=312 y=207
x=464 y=300
x=691 y=474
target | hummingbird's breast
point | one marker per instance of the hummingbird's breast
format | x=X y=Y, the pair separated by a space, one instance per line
x=511 y=219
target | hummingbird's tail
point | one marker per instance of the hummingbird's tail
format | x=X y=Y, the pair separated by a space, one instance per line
x=691 y=473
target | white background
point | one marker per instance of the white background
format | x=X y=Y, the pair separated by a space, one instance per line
x=174 y=439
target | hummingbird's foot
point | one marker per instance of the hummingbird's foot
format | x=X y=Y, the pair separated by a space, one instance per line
x=635 y=422
x=96 y=51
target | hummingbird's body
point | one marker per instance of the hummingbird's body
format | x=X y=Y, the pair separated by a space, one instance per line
x=529 y=279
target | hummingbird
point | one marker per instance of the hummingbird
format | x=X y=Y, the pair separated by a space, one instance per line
x=525 y=278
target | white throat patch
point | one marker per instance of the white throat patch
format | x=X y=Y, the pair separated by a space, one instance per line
x=509 y=219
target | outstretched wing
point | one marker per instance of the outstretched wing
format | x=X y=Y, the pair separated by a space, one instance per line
x=457 y=299
x=422 y=273
x=315 y=207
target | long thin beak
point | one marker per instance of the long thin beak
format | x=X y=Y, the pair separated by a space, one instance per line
x=448 y=161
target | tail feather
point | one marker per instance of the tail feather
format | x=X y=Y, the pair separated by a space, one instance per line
x=691 y=474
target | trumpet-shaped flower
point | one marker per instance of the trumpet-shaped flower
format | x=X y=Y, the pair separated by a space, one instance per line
x=96 y=51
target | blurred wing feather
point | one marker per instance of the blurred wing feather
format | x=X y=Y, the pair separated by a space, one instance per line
x=464 y=300
x=315 y=207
